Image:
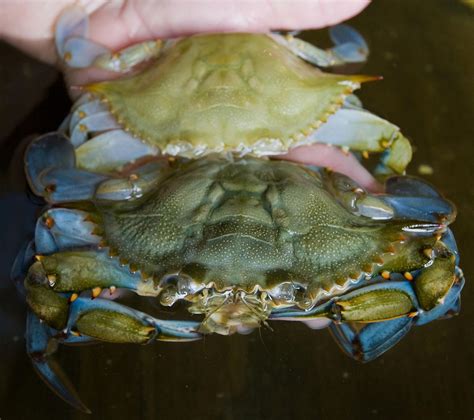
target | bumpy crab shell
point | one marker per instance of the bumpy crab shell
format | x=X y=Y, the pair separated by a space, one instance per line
x=226 y=92
x=257 y=94
x=243 y=242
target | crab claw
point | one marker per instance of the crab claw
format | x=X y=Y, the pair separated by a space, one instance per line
x=350 y=46
x=365 y=342
x=51 y=150
x=413 y=198
x=40 y=343
x=50 y=164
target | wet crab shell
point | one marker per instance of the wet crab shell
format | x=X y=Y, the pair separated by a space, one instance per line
x=214 y=93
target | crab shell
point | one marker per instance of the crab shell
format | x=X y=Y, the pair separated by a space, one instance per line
x=226 y=92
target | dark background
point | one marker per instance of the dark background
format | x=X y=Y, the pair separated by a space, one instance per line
x=424 y=50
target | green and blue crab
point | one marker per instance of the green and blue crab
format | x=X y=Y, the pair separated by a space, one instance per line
x=242 y=239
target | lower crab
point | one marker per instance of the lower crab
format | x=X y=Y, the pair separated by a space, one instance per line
x=243 y=242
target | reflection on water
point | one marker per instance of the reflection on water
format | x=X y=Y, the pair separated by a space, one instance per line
x=424 y=51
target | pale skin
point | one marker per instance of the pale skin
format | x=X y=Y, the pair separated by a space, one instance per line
x=29 y=25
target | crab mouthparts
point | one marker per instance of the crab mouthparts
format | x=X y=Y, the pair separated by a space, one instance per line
x=232 y=312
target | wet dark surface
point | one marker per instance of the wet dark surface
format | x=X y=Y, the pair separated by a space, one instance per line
x=424 y=51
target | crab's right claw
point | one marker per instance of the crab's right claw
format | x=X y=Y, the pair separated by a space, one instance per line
x=40 y=346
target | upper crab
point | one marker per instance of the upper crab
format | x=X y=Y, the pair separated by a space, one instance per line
x=226 y=92
x=237 y=92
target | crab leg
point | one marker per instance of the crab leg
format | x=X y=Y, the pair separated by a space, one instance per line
x=358 y=130
x=83 y=110
x=51 y=150
x=40 y=344
x=371 y=319
x=81 y=270
x=406 y=198
x=413 y=198
x=59 y=229
x=94 y=123
x=51 y=168
x=350 y=47
x=372 y=303
x=96 y=320
x=77 y=51
x=112 y=150
x=365 y=342
x=110 y=321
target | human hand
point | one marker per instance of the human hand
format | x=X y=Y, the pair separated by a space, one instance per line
x=116 y=24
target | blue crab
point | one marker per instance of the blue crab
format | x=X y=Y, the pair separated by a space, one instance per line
x=258 y=94
x=242 y=239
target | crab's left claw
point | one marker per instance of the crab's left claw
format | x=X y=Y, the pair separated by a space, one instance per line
x=366 y=342
x=41 y=344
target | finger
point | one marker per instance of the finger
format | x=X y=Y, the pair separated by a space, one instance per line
x=30 y=24
x=334 y=158
x=144 y=19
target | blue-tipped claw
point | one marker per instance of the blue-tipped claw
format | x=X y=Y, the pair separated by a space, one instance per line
x=39 y=341
x=422 y=209
x=413 y=198
x=365 y=342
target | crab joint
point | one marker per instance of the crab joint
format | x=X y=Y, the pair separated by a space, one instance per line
x=73 y=297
